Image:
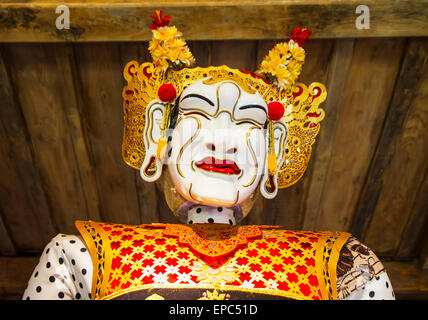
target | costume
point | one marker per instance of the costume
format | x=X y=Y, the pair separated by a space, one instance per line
x=215 y=139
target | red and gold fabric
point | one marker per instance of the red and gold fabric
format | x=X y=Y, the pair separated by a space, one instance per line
x=211 y=261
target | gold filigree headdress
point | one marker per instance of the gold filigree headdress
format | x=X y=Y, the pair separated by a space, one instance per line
x=275 y=80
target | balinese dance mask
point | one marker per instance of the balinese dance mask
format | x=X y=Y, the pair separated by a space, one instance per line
x=216 y=137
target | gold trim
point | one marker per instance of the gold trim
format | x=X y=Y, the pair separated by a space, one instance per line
x=190 y=192
x=211 y=80
x=218 y=99
x=80 y=225
x=319 y=265
x=151 y=111
x=253 y=155
x=332 y=265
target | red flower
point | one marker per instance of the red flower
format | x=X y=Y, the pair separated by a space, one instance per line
x=300 y=35
x=158 y=20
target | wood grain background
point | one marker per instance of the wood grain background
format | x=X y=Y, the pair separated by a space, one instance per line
x=61 y=125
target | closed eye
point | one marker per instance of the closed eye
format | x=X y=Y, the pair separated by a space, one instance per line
x=249 y=106
x=193 y=95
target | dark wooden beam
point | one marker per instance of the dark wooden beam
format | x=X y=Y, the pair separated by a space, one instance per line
x=104 y=20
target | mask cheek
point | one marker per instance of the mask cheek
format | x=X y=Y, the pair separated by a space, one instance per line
x=253 y=159
x=183 y=145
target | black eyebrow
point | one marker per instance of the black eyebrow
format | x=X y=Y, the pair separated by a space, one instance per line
x=253 y=106
x=193 y=95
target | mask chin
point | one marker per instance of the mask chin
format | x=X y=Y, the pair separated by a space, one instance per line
x=180 y=206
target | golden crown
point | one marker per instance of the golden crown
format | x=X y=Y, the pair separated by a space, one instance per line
x=275 y=80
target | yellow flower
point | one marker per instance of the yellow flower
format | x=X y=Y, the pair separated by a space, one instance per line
x=294 y=67
x=281 y=49
x=169 y=50
x=283 y=64
x=166 y=33
x=297 y=52
x=162 y=64
x=153 y=45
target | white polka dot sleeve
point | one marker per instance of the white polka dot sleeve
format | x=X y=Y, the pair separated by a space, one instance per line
x=64 y=271
x=379 y=288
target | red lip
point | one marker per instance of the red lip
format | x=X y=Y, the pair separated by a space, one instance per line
x=216 y=165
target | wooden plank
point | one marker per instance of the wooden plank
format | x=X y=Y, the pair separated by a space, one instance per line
x=403 y=92
x=414 y=237
x=23 y=203
x=7 y=247
x=364 y=101
x=238 y=54
x=73 y=110
x=201 y=50
x=113 y=20
x=401 y=159
x=138 y=51
x=337 y=75
x=99 y=69
x=14 y=275
x=43 y=95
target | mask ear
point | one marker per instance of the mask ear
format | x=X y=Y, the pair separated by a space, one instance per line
x=268 y=184
x=151 y=168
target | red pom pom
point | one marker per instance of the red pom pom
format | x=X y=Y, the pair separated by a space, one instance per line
x=167 y=92
x=275 y=110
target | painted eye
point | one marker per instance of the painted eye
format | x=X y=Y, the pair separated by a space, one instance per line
x=232 y=150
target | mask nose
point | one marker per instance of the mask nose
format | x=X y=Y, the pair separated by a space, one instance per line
x=222 y=139
x=212 y=147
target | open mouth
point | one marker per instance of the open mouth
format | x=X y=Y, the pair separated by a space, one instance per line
x=221 y=166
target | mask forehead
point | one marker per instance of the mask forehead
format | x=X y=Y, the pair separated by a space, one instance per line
x=226 y=96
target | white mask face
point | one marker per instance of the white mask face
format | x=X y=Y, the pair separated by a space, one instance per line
x=218 y=144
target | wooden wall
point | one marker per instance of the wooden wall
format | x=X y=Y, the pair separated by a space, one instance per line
x=61 y=125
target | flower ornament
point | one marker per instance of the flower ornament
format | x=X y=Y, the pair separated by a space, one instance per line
x=284 y=62
x=167 y=47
